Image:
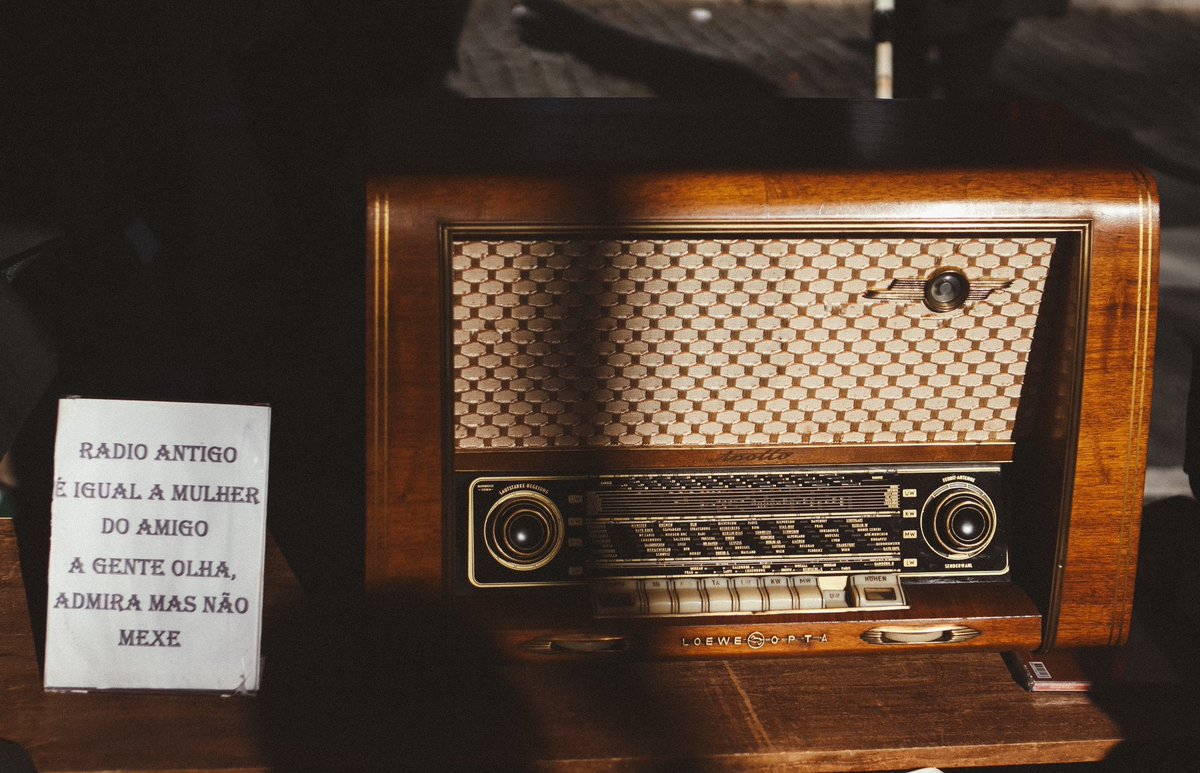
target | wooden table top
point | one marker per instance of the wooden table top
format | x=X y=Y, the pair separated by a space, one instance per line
x=409 y=685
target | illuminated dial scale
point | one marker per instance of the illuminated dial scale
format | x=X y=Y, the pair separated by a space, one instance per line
x=737 y=542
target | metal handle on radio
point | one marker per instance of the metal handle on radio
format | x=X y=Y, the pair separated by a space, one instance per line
x=920 y=634
x=576 y=645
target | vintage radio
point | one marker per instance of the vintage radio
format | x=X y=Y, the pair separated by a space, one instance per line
x=775 y=379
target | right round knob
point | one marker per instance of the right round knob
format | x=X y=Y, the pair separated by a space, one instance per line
x=958 y=521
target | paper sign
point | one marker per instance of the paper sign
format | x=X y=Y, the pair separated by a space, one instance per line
x=157 y=545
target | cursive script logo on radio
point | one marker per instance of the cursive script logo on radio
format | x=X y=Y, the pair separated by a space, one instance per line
x=755 y=456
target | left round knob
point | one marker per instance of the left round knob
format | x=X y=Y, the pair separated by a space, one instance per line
x=523 y=530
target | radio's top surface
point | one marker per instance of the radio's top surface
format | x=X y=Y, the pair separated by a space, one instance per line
x=648 y=135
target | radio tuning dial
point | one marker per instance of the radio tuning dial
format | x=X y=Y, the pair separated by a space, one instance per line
x=523 y=530
x=958 y=521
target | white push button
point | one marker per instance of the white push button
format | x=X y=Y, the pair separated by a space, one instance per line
x=806 y=593
x=718 y=593
x=831 y=581
x=834 y=599
x=619 y=597
x=749 y=594
x=779 y=594
x=688 y=598
x=833 y=590
x=658 y=597
x=876 y=590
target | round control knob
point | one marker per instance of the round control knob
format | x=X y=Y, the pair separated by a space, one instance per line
x=523 y=530
x=526 y=533
x=967 y=525
x=958 y=521
x=946 y=289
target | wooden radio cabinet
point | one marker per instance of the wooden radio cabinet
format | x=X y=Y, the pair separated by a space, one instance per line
x=683 y=379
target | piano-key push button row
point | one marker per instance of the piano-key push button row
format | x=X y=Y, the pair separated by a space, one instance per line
x=740 y=594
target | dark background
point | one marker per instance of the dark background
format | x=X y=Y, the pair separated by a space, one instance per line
x=198 y=169
x=201 y=164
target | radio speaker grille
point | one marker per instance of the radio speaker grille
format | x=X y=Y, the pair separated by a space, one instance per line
x=561 y=343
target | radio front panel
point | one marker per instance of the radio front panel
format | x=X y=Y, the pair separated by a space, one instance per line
x=572 y=344
x=916 y=523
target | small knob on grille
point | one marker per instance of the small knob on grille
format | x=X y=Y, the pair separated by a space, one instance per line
x=946 y=289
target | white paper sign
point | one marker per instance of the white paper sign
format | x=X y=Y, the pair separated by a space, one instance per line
x=157 y=545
